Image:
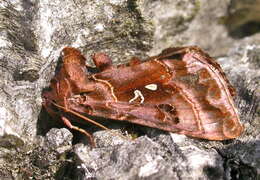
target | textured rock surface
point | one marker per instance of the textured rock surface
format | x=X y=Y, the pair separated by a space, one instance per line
x=32 y=33
x=39 y=159
x=152 y=159
x=243 y=158
x=243 y=17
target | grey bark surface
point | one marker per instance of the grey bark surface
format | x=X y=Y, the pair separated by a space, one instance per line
x=32 y=34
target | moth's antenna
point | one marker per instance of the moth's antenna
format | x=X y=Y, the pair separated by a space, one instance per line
x=81 y=116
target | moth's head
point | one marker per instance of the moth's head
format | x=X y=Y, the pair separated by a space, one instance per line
x=72 y=55
x=70 y=51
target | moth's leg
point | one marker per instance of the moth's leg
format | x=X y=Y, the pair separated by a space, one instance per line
x=102 y=61
x=69 y=125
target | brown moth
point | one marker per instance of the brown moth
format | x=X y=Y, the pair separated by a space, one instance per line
x=181 y=90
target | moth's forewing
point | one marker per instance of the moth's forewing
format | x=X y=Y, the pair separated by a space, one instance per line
x=181 y=90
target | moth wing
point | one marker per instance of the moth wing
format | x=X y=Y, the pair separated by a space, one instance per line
x=189 y=94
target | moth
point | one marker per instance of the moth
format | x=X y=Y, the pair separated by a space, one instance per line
x=181 y=90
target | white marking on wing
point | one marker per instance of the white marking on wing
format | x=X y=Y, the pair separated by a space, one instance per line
x=152 y=87
x=138 y=94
